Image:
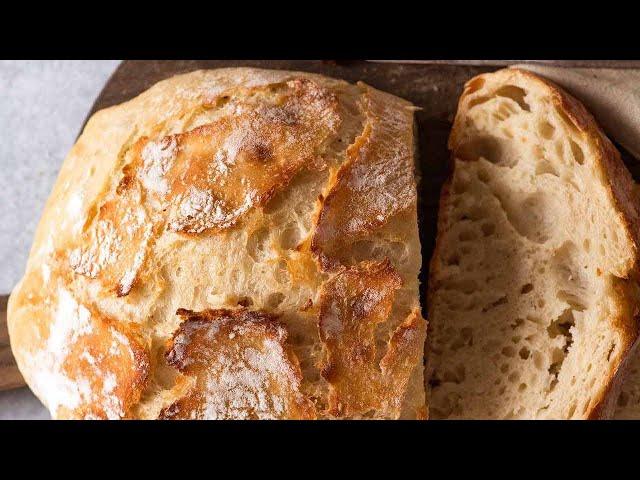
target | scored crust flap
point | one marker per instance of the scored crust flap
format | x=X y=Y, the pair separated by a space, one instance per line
x=352 y=305
x=241 y=365
x=91 y=366
x=374 y=184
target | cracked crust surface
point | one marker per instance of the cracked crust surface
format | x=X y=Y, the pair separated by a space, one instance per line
x=238 y=191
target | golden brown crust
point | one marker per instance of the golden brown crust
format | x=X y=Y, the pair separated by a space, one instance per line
x=375 y=183
x=352 y=304
x=116 y=245
x=207 y=178
x=241 y=366
x=223 y=169
x=90 y=366
x=621 y=188
x=114 y=363
x=124 y=233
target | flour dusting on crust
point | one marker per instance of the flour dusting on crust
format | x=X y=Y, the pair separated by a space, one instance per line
x=87 y=368
x=242 y=367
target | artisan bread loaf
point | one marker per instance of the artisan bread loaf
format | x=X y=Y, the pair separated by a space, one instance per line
x=235 y=243
x=533 y=291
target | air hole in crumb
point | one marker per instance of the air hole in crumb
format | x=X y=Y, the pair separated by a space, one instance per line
x=483 y=175
x=485 y=146
x=275 y=299
x=501 y=301
x=504 y=368
x=517 y=323
x=290 y=238
x=514 y=377
x=504 y=111
x=221 y=101
x=534 y=217
x=245 y=301
x=256 y=244
x=538 y=360
x=545 y=167
x=509 y=351
x=516 y=94
x=522 y=387
x=526 y=288
x=546 y=130
x=575 y=301
x=586 y=245
x=560 y=326
x=524 y=353
x=565 y=119
x=568 y=269
x=614 y=236
x=578 y=154
x=488 y=229
x=572 y=410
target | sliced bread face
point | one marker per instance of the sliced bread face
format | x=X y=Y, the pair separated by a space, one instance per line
x=532 y=291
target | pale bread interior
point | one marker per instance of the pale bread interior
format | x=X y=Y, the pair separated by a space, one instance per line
x=528 y=297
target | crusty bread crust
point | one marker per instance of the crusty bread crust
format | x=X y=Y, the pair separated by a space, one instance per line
x=620 y=188
x=204 y=194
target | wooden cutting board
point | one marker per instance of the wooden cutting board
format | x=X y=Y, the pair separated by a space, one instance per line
x=435 y=88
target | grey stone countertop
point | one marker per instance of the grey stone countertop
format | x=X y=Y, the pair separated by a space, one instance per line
x=42 y=106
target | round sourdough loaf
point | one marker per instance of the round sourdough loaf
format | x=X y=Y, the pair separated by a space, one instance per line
x=235 y=243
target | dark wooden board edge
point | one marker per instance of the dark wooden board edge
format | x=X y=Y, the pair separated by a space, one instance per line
x=10 y=376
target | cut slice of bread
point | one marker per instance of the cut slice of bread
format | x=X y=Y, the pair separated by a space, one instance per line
x=533 y=289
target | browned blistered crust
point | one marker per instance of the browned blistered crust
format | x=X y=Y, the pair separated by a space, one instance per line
x=207 y=178
x=374 y=184
x=113 y=359
x=115 y=247
x=242 y=138
x=352 y=304
x=242 y=367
